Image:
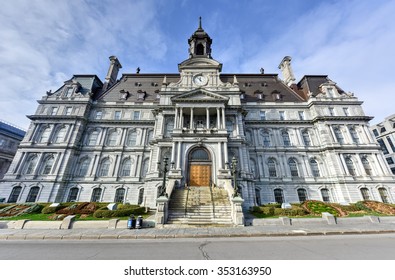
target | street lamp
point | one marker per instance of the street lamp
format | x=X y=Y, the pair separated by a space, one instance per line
x=164 y=169
x=233 y=172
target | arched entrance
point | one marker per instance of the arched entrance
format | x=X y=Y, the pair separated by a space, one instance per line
x=199 y=167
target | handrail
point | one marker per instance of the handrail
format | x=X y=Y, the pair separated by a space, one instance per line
x=212 y=197
x=186 y=201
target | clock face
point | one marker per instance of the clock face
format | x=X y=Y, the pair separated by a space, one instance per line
x=200 y=80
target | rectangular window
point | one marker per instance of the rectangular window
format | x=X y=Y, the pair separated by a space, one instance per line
x=136 y=115
x=346 y=112
x=393 y=170
x=99 y=115
x=282 y=115
x=391 y=143
x=389 y=160
x=375 y=132
x=383 y=146
x=262 y=115
x=117 y=115
x=68 y=111
x=301 y=115
x=54 y=111
x=69 y=92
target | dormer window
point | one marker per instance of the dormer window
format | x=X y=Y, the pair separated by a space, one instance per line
x=330 y=92
x=276 y=95
x=69 y=92
x=141 y=94
x=99 y=115
x=124 y=94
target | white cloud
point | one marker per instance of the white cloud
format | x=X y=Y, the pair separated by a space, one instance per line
x=45 y=42
x=351 y=41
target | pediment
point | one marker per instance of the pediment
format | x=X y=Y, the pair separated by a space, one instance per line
x=199 y=95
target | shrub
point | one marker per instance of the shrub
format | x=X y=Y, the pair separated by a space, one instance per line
x=51 y=210
x=271 y=211
x=105 y=213
x=317 y=207
x=79 y=208
x=257 y=209
x=361 y=206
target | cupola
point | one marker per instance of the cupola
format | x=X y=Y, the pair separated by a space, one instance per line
x=200 y=43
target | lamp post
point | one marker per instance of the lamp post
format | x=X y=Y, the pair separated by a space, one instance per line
x=233 y=172
x=162 y=166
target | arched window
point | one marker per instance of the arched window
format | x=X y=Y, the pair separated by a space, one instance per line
x=104 y=167
x=306 y=138
x=272 y=168
x=83 y=167
x=325 y=195
x=16 y=191
x=119 y=195
x=365 y=193
x=302 y=195
x=144 y=169
x=141 y=196
x=314 y=168
x=200 y=49
x=150 y=135
x=338 y=135
x=258 y=196
x=44 y=137
x=132 y=138
x=73 y=194
x=266 y=139
x=366 y=166
x=112 y=138
x=350 y=166
x=354 y=135
x=229 y=126
x=286 y=139
x=199 y=155
x=96 y=195
x=126 y=167
x=30 y=165
x=33 y=193
x=92 y=139
x=59 y=138
x=278 y=196
x=384 y=195
x=47 y=166
x=293 y=167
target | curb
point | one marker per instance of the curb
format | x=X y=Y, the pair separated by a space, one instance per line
x=176 y=236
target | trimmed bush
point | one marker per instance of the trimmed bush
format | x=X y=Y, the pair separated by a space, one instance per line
x=51 y=210
x=105 y=213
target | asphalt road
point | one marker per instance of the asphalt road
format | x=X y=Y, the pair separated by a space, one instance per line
x=340 y=247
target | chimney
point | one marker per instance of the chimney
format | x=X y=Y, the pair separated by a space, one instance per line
x=113 y=70
x=286 y=69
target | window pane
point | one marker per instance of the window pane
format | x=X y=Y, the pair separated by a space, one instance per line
x=278 y=196
x=365 y=193
x=72 y=195
x=96 y=194
x=16 y=191
x=384 y=195
x=119 y=195
x=293 y=168
x=33 y=193
x=325 y=195
x=302 y=194
x=272 y=168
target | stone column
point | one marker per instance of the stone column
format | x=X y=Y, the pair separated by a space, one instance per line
x=223 y=118
x=178 y=155
x=220 y=155
x=191 y=120
x=218 y=119
x=207 y=118
x=181 y=124
x=226 y=152
x=176 y=119
x=173 y=152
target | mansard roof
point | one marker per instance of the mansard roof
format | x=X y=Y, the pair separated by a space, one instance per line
x=310 y=84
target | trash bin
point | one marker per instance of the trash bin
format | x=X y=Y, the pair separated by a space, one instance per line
x=139 y=222
x=131 y=222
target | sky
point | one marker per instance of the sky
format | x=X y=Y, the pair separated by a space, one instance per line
x=45 y=42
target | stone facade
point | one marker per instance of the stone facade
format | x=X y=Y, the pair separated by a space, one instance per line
x=10 y=136
x=102 y=141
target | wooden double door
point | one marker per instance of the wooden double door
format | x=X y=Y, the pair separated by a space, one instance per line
x=199 y=174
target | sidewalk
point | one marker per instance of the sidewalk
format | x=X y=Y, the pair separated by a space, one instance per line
x=268 y=228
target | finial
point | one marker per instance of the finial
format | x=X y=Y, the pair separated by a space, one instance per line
x=138 y=70
x=200 y=22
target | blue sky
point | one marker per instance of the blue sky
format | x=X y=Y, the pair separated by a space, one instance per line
x=45 y=42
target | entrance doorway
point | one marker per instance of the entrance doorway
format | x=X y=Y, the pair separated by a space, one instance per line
x=199 y=168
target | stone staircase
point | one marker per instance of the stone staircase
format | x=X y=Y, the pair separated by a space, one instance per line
x=200 y=206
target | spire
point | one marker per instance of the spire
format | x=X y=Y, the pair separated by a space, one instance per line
x=200 y=42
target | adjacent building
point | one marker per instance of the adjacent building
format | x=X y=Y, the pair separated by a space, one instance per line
x=94 y=140
x=10 y=136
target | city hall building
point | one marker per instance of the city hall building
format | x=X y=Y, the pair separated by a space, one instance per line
x=94 y=140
